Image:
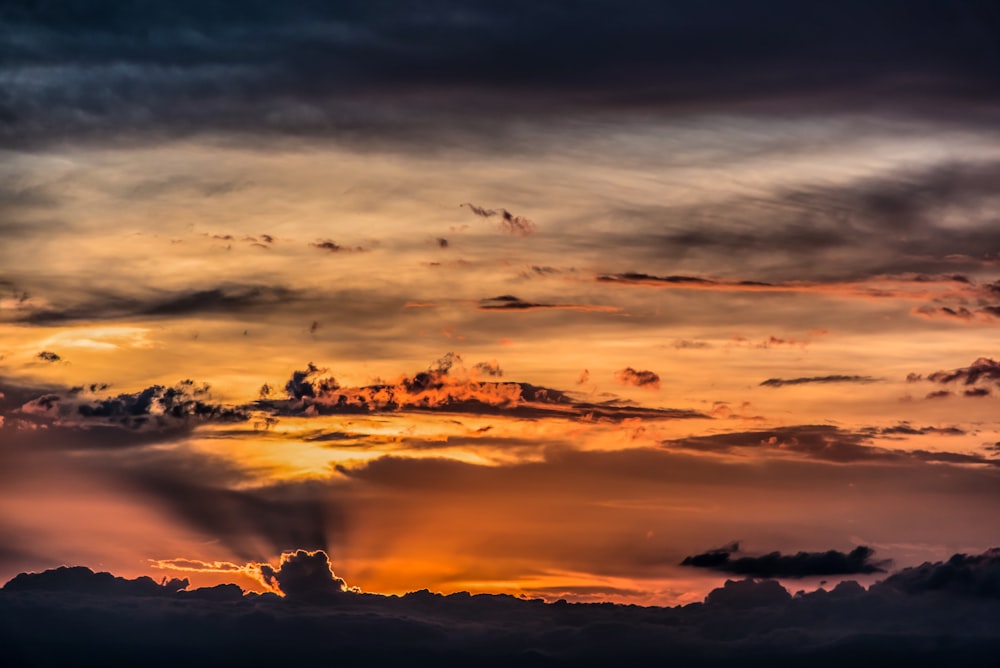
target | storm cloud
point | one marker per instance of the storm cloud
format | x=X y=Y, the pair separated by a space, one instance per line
x=92 y=79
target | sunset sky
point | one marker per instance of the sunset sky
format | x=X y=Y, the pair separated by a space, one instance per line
x=527 y=297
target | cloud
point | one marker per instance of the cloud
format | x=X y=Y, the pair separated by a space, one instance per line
x=47 y=356
x=347 y=80
x=983 y=369
x=906 y=429
x=447 y=386
x=328 y=245
x=304 y=575
x=962 y=575
x=630 y=376
x=756 y=622
x=746 y=594
x=221 y=300
x=512 y=303
x=508 y=222
x=799 y=565
x=782 y=382
x=819 y=442
x=155 y=407
x=80 y=579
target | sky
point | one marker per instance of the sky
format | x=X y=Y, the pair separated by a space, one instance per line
x=562 y=300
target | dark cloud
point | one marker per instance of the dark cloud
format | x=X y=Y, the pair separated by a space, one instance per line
x=964 y=575
x=79 y=579
x=48 y=356
x=781 y=382
x=156 y=407
x=223 y=300
x=906 y=429
x=644 y=378
x=984 y=369
x=304 y=575
x=750 y=622
x=633 y=277
x=512 y=303
x=328 y=245
x=799 y=565
x=507 y=222
x=891 y=224
x=306 y=69
x=746 y=594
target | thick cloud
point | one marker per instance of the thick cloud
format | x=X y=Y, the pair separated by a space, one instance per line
x=963 y=574
x=751 y=622
x=302 y=68
x=155 y=407
x=304 y=575
x=448 y=387
x=79 y=579
x=799 y=565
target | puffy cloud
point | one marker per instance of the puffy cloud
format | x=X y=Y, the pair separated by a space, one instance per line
x=304 y=575
x=447 y=386
x=963 y=574
x=155 y=407
x=801 y=564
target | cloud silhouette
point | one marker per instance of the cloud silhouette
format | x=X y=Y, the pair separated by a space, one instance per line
x=304 y=575
x=782 y=382
x=799 y=565
x=750 y=621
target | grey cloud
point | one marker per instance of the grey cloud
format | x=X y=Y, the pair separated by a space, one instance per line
x=304 y=69
x=894 y=223
x=819 y=442
x=983 y=369
x=836 y=378
x=156 y=407
x=221 y=300
x=507 y=222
